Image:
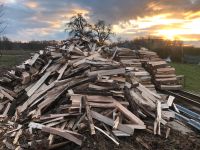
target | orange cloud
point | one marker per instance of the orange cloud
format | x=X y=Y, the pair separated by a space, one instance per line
x=166 y=25
x=31 y=5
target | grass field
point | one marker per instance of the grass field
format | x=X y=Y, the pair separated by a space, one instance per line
x=192 y=75
x=12 y=57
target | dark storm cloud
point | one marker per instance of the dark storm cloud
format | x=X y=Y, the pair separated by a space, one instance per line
x=40 y=18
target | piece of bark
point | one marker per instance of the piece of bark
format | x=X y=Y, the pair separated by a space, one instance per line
x=117 y=143
x=63 y=133
x=79 y=121
x=144 y=144
x=167 y=132
x=57 y=145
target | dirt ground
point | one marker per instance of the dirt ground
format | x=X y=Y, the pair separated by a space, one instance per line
x=175 y=141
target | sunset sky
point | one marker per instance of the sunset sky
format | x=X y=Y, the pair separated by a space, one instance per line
x=44 y=19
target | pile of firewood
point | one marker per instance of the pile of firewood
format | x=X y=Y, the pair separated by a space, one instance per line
x=163 y=74
x=76 y=86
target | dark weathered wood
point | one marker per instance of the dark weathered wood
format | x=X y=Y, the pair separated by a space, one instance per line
x=88 y=112
x=129 y=98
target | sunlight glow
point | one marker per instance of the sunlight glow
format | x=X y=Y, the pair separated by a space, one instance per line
x=32 y=4
x=165 y=25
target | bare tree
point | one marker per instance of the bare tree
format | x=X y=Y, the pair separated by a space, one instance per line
x=102 y=31
x=79 y=27
x=2 y=25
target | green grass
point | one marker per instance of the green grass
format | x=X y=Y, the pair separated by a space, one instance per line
x=12 y=57
x=192 y=75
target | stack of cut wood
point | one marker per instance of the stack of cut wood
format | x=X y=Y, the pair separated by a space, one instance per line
x=163 y=74
x=64 y=90
x=131 y=60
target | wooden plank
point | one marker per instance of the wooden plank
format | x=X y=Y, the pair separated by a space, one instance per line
x=171 y=87
x=6 y=110
x=107 y=72
x=33 y=60
x=163 y=80
x=129 y=114
x=55 y=93
x=52 y=116
x=61 y=71
x=86 y=58
x=88 y=113
x=13 y=94
x=170 y=100
x=38 y=84
x=141 y=88
x=26 y=77
x=120 y=133
x=17 y=136
x=110 y=122
x=45 y=67
x=34 y=97
x=141 y=101
x=7 y=95
x=165 y=76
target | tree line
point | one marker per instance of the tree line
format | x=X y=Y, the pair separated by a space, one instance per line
x=6 y=44
x=174 y=49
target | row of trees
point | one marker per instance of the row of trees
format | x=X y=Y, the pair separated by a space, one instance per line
x=6 y=44
x=174 y=49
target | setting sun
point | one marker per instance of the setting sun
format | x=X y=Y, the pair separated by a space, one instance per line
x=166 y=25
